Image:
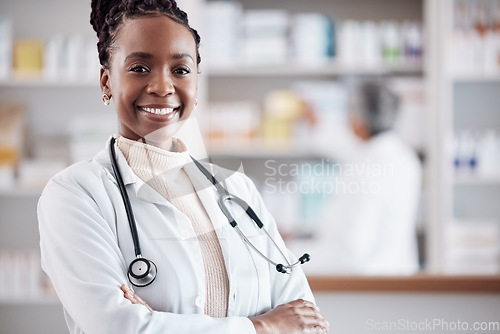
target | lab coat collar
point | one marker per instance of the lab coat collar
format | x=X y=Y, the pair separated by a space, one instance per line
x=142 y=189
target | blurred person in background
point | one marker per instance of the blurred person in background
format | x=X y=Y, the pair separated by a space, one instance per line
x=369 y=227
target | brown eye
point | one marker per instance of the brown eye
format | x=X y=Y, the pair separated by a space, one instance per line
x=182 y=71
x=139 y=69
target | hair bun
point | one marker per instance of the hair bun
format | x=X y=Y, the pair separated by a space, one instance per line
x=99 y=9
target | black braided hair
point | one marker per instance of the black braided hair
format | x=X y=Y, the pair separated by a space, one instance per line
x=107 y=15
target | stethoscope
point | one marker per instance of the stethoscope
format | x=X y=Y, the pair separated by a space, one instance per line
x=142 y=272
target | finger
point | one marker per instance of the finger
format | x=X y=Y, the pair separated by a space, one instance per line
x=126 y=288
x=306 y=303
x=134 y=298
x=131 y=297
x=312 y=318
x=141 y=301
x=308 y=309
x=148 y=307
x=317 y=325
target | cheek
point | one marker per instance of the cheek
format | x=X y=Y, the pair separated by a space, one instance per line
x=192 y=89
x=125 y=92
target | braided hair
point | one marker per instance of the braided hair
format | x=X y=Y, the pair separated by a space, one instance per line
x=107 y=15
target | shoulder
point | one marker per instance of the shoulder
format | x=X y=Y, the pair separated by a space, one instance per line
x=85 y=179
x=81 y=175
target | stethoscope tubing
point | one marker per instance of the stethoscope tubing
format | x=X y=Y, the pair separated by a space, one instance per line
x=126 y=200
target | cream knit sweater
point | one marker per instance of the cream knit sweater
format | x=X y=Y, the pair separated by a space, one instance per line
x=163 y=171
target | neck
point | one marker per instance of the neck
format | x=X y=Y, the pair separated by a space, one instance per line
x=168 y=144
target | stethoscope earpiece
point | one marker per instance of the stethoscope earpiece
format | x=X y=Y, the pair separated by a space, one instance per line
x=287 y=269
x=141 y=272
x=304 y=258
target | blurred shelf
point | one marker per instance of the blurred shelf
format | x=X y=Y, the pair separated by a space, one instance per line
x=475 y=77
x=29 y=300
x=318 y=70
x=477 y=179
x=20 y=192
x=259 y=149
x=36 y=81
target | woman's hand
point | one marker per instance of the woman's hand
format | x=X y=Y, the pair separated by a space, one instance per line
x=129 y=294
x=298 y=316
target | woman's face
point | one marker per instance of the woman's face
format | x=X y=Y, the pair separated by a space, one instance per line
x=152 y=77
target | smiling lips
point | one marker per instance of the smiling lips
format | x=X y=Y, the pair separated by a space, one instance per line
x=158 y=111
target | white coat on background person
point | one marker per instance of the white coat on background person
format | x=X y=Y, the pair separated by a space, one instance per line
x=369 y=224
x=86 y=248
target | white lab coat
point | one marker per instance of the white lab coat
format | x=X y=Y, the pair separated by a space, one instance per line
x=369 y=224
x=86 y=248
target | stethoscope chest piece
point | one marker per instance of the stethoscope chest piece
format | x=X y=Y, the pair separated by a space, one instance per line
x=141 y=272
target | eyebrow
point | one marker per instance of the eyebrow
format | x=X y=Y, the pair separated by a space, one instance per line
x=183 y=55
x=146 y=55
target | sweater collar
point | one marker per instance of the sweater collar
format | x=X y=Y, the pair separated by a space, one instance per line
x=148 y=161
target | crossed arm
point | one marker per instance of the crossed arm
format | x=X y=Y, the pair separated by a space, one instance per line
x=298 y=316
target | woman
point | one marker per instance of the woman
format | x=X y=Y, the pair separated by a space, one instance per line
x=208 y=279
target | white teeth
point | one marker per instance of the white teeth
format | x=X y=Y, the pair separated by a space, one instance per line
x=158 y=111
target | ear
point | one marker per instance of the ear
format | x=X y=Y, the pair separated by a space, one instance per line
x=104 y=81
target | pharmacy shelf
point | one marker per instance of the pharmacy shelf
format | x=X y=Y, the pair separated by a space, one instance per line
x=461 y=195
x=29 y=300
x=476 y=179
x=475 y=77
x=32 y=82
x=317 y=70
x=17 y=192
x=260 y=148
x=266 y=153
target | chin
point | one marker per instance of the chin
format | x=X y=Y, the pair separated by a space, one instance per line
x=165 y=132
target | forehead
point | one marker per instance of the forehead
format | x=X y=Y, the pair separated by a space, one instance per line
x=154 y=34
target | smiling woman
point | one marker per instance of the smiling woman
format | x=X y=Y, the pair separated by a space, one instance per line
x=201 y=275
x=152 y=77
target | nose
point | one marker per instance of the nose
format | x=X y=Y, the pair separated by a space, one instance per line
x=161 y=85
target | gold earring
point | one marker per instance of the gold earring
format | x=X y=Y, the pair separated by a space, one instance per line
x=195 y=103
x=105 y=99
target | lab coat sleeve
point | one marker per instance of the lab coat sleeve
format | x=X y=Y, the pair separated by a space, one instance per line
x=81 y=256
x=284 y=287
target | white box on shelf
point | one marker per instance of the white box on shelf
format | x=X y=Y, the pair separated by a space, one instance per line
x=472 y=247
x=34 y=174
x=230 y=125
x=265 y=22
x=265 y=50
x=220 y=34
x=312 y=38
x=264 y=36
x=20 y=275
x=88 y=137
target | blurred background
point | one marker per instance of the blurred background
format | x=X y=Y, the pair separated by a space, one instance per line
x=275 y=96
